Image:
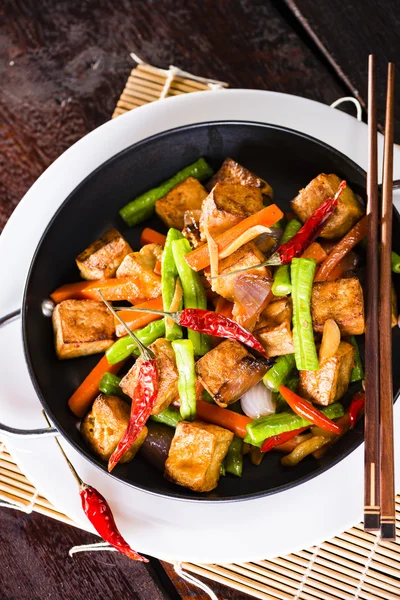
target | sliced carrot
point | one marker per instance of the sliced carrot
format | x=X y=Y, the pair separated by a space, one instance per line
x=199 y=258
x=136 y=320
x=82 y=399
x=157 y=268
x=112 y=289
x=345 y=264
x=347 y=243
x=150 y=236
x=223 y=417
x=224 y=307
x=315 y=251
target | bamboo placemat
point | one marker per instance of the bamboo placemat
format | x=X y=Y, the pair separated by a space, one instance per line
x=353 y=565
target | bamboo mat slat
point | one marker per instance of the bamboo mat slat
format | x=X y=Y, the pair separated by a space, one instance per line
x=353 y=565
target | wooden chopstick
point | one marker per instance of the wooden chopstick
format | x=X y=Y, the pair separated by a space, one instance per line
x=371 y=427
x=387 y=491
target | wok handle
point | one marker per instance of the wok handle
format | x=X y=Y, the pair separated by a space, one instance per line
x=12 y=431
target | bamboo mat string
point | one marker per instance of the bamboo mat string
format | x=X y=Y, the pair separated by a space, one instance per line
x=96 y=547
x=366 y=568
x=193 y=580
x=307 y=572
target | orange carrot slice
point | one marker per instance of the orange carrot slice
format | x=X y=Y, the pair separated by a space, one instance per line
x=150 y=236
x=136 y=320
x=112 y=289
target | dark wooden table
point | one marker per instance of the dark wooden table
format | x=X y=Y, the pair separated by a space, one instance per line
x=63 y=67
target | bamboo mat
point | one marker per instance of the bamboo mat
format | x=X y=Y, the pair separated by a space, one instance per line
x=353 y=565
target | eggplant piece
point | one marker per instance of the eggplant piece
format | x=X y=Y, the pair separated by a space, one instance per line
x=155 y=448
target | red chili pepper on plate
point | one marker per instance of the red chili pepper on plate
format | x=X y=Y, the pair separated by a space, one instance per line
x=281 y=438
x=210 y=322
x=143 y=401
x=306 y=410
x=356 y=406
x=99 y=513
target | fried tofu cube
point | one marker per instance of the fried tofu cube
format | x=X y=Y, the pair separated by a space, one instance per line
x=168 y=375
x=341 y=300
x=246 y=256
x=395 y=314
x=274 y=328
x=196 y=453
x=228 y=371
x=330 y=382
x=82 y=327
x=187 y=195
x=226 y=205
x=102 y=258
x=140 y=265
x=104 y=426
x=347 y=213
x=233 y=172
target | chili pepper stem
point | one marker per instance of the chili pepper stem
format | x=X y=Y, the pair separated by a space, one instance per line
x=81 y=484
x=146 y=352
x=164 y=313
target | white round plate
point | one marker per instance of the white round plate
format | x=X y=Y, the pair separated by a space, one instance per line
x=162 y=527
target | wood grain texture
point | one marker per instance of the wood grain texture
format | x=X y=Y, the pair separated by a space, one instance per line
x=346 y=32
x=66 y=62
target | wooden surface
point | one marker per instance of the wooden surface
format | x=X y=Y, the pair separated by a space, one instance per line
x=64 y=67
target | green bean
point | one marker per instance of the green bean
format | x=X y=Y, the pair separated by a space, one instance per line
x=357 y=372
x=222 y=469
x=234 y=457
x=109 y=385
x=169 y=416
x=142 y=207
x=265 y=427
x=125 y=346
x=302 y=272
x=169 y=275
x=279 y=372
x=282 y=285
x=184 y=354
x=194 y=295
x=395 y=262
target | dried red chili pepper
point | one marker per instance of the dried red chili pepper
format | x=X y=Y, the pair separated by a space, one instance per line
x=281 y=438
x=356 y=406
x=143 y=401
x=210 y=322
x=99 y=513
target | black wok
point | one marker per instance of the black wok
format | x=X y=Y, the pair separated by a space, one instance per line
x=285 y=158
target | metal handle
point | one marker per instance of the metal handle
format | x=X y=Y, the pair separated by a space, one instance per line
x=13 y=431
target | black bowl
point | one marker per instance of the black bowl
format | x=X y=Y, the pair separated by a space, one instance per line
x=285 y=158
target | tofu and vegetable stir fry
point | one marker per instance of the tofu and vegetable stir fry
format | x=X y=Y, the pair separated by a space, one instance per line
x=234 y=334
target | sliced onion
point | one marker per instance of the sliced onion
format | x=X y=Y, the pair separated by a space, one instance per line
x=245 y=237
x=212 y=251
x=258 y=402
x=251 y=291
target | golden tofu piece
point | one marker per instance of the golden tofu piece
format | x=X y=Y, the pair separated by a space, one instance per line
x=341 y=300
x=226 y=205
x=395 y=314
x=140 y=265
x=233 y=172
x=274 y=328
x=228 y=371
x=187 y=195
x=244 y=257
x=168 y=375
x=347 y=213
x=330 y=382
x=102 y=258
x=82 y=327
x=104 y=426
x=196 y=453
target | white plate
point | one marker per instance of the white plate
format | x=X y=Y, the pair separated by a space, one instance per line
x=165 y=528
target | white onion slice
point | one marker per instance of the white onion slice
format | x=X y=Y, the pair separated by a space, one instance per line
x=258 y=402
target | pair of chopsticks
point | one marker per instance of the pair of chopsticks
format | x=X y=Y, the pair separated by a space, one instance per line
x=379 y=492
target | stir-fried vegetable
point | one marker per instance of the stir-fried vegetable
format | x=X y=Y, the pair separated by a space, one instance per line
x=113 y=289
x=356 y=407
x=266 y=427
x=150 y=236
x=137 y=320
x=302 y=273
x=184 y=354
x=304 y=449
x=194 y=295
x=169 y=416
x=222 y=417
x=169 y=274
x=307 y=410
x=357 y=373
x=258 y=401
x=282 y=285
x=142 y=207
x=395 y=262
x=234 y=457
x=279 y=372
x=330 y=340
x=281 y=438
x=109 y=385
x=125 y=347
